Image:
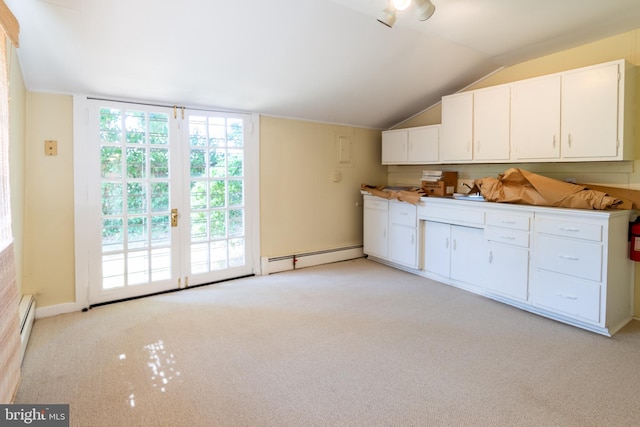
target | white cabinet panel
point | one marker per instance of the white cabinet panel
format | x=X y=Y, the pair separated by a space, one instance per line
x=508 y=270
x=390 y=231
x=437 y=243
x=568 y=296
x=568 y=256
x=535 y=118
x=424 y=144
x=403 y=245
x=403 y=236
x=454 y=252
x=507 y=236
x=590 y=112
x=417 y=145
x=394 y=146
x=375 y=236
x=457 y=127
x=491 y=115
x=467 y=263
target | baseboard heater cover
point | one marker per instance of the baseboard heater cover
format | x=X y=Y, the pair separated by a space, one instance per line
x=27 y=311
x=309 y=259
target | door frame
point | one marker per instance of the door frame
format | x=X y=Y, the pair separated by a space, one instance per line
x=81 y=138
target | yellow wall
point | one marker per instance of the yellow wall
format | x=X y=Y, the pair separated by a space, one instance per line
x=49 y=269
x=17 y=158
x=621 y=174
x=301 y=208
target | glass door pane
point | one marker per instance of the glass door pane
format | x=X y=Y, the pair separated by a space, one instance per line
x=138 y=248
x=217 y=201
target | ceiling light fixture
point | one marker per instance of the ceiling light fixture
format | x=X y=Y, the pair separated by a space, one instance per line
x=424 y=10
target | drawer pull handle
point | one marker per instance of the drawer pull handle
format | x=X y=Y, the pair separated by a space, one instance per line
x=573 y=230
x=570 y=258
x=504 y=221
x=508 y=237
x=404 y=213
x=567 y=296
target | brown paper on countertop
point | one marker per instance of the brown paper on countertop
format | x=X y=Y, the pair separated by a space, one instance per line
x=410 y=196
x=523 y=187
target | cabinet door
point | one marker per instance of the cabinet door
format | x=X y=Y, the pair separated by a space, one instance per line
x=457 y=127
x=508 y=270
x=535 y=118
x=491 y=113
x=375 y=234
x=394 y=147
x=468 y=263
x=423 y=144
x=590 y=112
x=437 y=242
x=403 y=247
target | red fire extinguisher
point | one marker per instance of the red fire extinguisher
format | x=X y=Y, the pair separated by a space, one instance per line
x=634 y=249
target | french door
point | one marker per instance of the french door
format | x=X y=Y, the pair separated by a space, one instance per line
x=168 y=194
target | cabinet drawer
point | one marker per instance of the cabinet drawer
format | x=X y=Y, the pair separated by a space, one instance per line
x=453 y=216
x=507 y=235
x=571 y=297
x=517 y=222
x=402 y=214
x=569 y=256
x=577 y=230
x=381 y=205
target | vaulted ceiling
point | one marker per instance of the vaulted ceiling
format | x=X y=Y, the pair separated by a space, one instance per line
x=319 y=60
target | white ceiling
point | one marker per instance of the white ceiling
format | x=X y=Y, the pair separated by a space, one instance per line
x=320 y=60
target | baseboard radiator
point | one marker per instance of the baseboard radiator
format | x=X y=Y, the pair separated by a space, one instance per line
x=27 y=310
x=309 y=259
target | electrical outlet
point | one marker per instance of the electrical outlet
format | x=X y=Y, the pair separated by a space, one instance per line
x=50 y=147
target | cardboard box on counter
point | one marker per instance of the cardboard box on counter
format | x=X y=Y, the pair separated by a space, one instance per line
x=444 y=187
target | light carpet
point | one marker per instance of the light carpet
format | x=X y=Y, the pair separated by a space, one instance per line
x=354 y=343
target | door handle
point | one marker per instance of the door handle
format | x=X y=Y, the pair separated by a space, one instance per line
x=174 y=217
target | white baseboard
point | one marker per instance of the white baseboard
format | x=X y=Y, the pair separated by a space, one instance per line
x=310 y=259
x=54 y=310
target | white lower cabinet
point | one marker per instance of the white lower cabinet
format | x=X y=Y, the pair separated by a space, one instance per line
x=570 y=265
x=508 y=241
x=390 y=231
x=375 y=237
x=451 y=251
x=403 y=236
x=581 y=268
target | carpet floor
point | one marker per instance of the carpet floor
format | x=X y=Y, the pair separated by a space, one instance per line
x=354 y=343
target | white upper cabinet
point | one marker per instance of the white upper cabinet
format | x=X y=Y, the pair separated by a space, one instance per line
x=579 y=115
x=457 y=127
x=491 y=113
x=590 y=104
x=418 y=145
x=535 y=119
x=475 y=125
